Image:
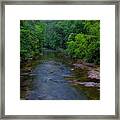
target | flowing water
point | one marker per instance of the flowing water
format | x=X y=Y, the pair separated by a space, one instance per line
x=47 y=78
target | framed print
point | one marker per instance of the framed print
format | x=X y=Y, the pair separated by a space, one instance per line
x=60 y=59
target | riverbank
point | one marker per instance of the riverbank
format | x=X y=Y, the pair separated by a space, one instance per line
x=84 y=76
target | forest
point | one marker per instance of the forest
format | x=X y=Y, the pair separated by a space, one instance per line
x=60 y=59
x=79 y=39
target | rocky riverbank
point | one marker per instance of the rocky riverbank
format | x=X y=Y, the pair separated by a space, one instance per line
x=66 y=74
x=93 y=70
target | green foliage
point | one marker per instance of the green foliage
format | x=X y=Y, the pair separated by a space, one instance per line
x=79 y=38
x=57 y=32
x=92 y=27
x=31 y=38
x=83 y=46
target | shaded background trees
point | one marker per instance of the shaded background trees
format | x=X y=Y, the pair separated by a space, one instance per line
x=79 y=39
x=31 y=38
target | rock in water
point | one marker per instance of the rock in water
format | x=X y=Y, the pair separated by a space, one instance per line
x=94 y=74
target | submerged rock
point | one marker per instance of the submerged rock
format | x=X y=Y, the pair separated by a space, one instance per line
x=79 y=66
x=89 y=64
x=86 y=84
x=93 y=71
x=90 y=84
x=94 y=74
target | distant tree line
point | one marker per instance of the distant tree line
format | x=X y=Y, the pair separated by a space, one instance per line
x=80 y=39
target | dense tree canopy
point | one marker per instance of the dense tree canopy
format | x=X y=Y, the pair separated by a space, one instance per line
x=80 y=39
x=31 y=38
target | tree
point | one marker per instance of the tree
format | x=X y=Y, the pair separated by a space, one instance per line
x=31 y=38
x=86 y=46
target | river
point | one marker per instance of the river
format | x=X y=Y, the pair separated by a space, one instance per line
x=47 y=78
